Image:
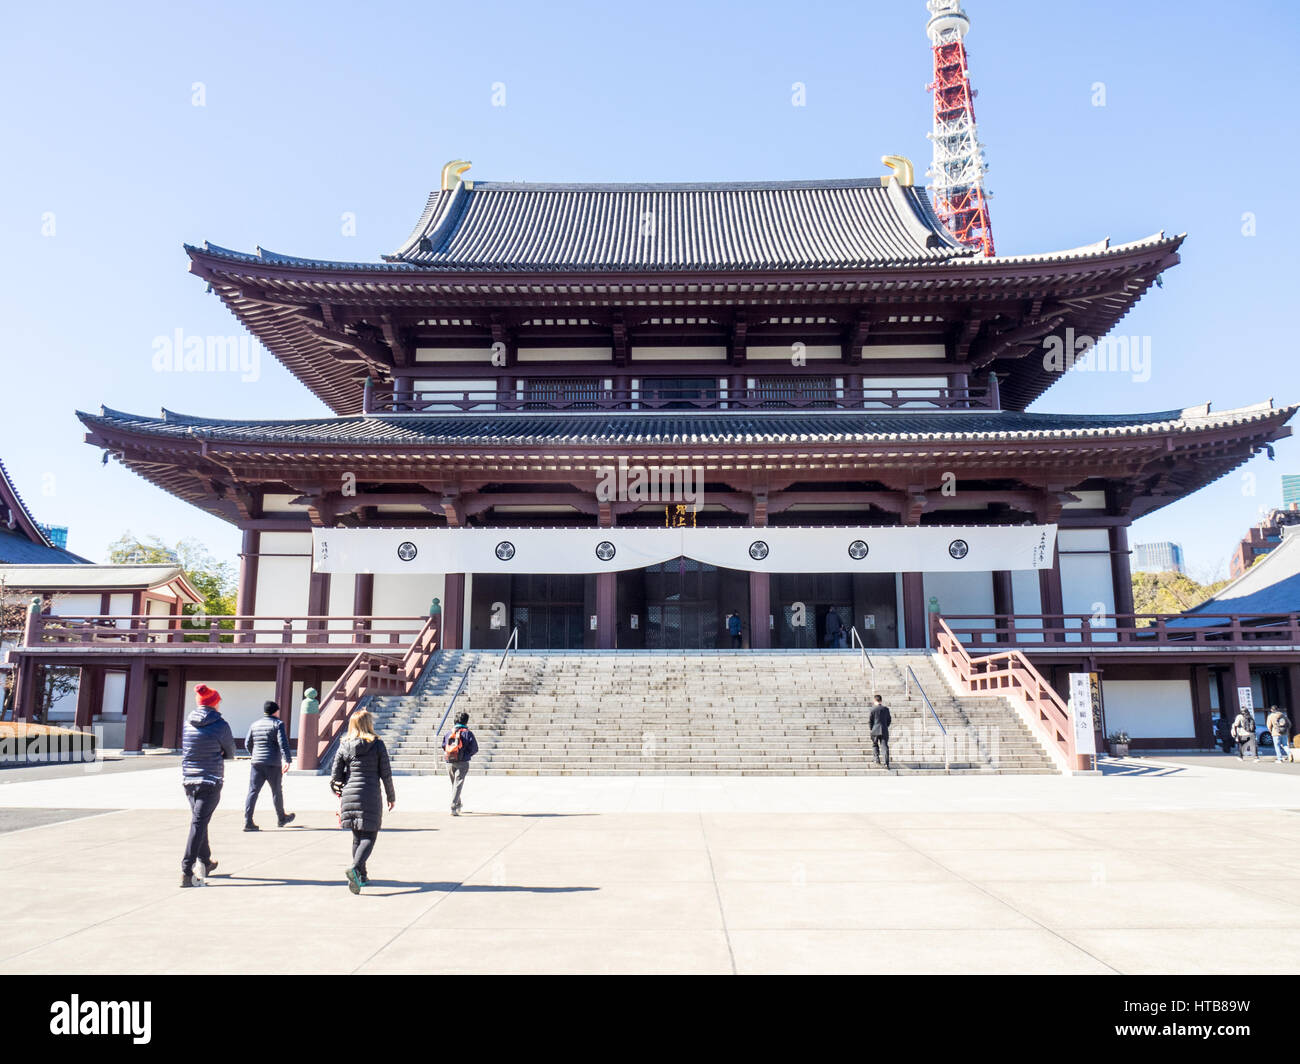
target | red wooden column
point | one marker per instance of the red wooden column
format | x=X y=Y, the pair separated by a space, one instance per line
x=284 y=691
x=1050 y=595
x=1240 y=678
x=1122 y=575
x=760 y=589
x=915 y=618
x=606 y=610
x=318 y=605
x=246 y=596
x=136 y=703
x=1004 y=598
x=86 y=704
x=453 y=611
x=363 y=601
x=174 y=712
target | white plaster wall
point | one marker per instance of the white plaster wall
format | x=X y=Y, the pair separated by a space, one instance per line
x=74 y=605
x=1086 y=584
x=812 y=352
x=1150 y=709
x=283 y=583
x=678 y=354
x=453 y=354
x=114 y=703
x=880 y=352
x=342 y=594
x=399 y=595
x=565 y=354
x=1027 y=596
x=241 y=701
x=960 y=593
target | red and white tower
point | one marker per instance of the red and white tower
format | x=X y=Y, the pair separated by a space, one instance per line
x=957 y=171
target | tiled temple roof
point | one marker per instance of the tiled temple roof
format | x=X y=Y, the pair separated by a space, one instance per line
x=685 y=427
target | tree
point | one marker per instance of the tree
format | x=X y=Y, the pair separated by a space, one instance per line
x=214 y=580
x=1170 y=592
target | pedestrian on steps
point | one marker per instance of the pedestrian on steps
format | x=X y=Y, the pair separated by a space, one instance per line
x=734 y=627
x=267 y=744
x=458 y=746
x=879 y=721
x=206 y=745
x=360 y=767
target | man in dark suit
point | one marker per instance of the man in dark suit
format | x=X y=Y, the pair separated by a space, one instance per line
x=880 y=721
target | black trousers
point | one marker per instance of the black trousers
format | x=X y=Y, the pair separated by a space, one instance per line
x=363 y=842
x=259 y=774
x=203 y=798
x=878 y=743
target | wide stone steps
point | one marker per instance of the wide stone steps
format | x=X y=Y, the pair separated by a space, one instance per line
x=723 y=713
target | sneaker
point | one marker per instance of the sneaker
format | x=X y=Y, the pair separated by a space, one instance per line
x=355 y=882
x=455 y=812
x=206 y=868
x=250 y=826
x=288 y=819
x=190 y=881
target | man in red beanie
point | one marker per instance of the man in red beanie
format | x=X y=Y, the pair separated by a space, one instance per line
x=207 y=743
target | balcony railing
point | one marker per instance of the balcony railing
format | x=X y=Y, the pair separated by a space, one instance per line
x=213 y=632
x=390 y=401
x=1219 y=630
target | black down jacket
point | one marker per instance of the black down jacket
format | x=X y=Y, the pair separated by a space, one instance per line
x=359 y=767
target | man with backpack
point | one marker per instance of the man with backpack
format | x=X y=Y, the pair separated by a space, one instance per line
x=206 y=744
x=1279 y=726
x=879 y=721
x=458 y=746
x=1243 y=730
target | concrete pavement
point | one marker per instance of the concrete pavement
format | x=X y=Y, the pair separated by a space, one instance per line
x=1151 y=869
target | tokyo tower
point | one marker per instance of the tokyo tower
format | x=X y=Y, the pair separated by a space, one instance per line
x=958 y=166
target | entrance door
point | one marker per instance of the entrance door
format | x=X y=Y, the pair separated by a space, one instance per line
x=547 y=608
x=687 y=601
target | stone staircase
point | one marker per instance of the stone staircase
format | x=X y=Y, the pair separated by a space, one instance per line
x=593 y=713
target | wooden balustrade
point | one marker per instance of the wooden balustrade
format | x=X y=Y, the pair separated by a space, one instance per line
x=1010 y=674
x=813 y=397
x=212 y=632
x=366 y=674
x=1220 y=630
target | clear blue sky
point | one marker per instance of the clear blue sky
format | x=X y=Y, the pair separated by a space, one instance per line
x=316 y=109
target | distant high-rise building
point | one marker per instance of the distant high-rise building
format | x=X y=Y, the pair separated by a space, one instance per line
x=1162 y=557
x=1262 y=538
x=1290 y=490
x=57 y=534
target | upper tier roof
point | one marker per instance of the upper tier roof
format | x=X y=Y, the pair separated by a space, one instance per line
x=495 y=225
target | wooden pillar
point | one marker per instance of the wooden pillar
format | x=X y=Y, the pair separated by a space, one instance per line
x=318 y=605
x=86 y=706
x=363 y=601
x=453 y=611
x=915 y=619
x=136 y=704
x=174 y=715
x=1004 y=601
x=760 y=611
x=606 y=612
x=1293 y=695
x=246 y=597
x=1202 y=714
x=1122 y=575
x=1240 y=678
x=1050 y=595
x=284 y=688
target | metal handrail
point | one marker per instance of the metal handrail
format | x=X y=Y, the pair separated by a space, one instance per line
x=459 y=688
x=947 y=767
x=867 y=663
x=511 y=644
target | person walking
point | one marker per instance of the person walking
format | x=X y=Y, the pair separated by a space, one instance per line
x=734 y=628
x=879 y=721
x=360 y=767
x=1279 y=726
x=458 y=746
x=834 y=630
x=1243 y=730
x=267 y=744
x=206 y=745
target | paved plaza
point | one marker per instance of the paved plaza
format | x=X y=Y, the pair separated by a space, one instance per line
x=1152 y=867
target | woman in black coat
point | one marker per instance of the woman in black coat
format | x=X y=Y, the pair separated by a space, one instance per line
x=359 y=767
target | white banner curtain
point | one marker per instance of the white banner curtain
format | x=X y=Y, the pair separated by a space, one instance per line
x=928 y=549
